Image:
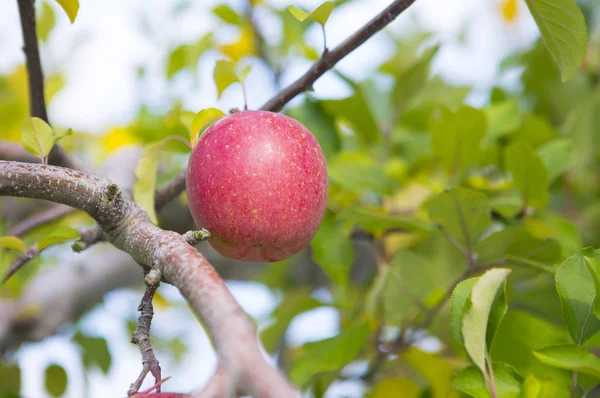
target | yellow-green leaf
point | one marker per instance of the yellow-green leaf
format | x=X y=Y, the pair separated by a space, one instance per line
x=12 y=242
x=244 y=72
x=224 y=75
x=563 y=28
x=227 y=14
x=59 y=235
x=476 y=318
x=37 y=137
x=45 y=21
x=320 y=15
x=203 y=119
x=71 y=7
x=529 y=174
x=146 y=170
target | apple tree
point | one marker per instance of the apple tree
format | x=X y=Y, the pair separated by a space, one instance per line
x=456 y=242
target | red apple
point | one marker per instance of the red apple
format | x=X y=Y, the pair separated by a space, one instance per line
x=258 y=182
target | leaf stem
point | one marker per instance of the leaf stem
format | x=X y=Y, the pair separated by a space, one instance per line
x=244 y=94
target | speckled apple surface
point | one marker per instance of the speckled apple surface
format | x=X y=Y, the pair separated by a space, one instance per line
x=258 y=182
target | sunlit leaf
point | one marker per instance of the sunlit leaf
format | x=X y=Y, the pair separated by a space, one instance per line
x=56 y=380
x=71 y=7
x=320 y=15
x=390 y=387
x=563 y=28
x=10 y=379
x=58 y=235
x=186 y=56
x=534 y=387
x=203 y=119
x=12 y=242
x=227 y=14
x=376 y=220
x=358 y=172
x=436 y=370
x=476 y=318
x=224 y=75
x=45 y=21
x=37 y=137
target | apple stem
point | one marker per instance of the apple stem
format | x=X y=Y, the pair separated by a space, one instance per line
x=244 y=94
x=325 y=50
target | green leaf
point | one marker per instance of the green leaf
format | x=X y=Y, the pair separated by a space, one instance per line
x=389 y=387
x=45 y=21
x=202 y=121
x=224 y=76
x=227 y=14
x=520 y=334
x=67 y=133
x=320 y=15
x=415 y=278
x=497 y=313
x=411 y=81
x=534 y=131
x=462 y=213
x=187 y=56
x=534 y=387
x=529 y=174
x=563 y=28
x=470 y=381
x=329 y=355
x=456 y=137
x=558 y=156
x=436 y=370
x=95 y=351
x=359 y=173
x=313 y=115
x=376 y=221
x=593 y=266
x=146 y=172
x=12 y=242
x=356 y=112
x=577 y=292
x=58 y=235
x=244 y=72
x=71 y=7
x=292 y=305
x=475 y=320
x=571 y=357
x=332 y=250
x=37 y=137
x=56 y=380
x=10 y=378
x=459 y=304
x=503 y=118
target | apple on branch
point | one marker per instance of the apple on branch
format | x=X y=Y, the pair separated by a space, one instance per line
x=258 y=182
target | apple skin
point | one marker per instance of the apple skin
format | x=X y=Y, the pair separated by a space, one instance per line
x=258 y=182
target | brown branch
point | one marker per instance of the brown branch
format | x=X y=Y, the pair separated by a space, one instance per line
x=19 y=263
x=169 y=191
x=330 y=58
x=53 y=213
x=141 y=337
x=35 y=77
x=242 y=368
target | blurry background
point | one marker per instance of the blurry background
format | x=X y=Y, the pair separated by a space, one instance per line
x=118 y=74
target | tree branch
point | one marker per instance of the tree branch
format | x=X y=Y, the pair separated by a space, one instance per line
x=53 y=213
x=35 y=77
x=330 y=58
x=129 y=229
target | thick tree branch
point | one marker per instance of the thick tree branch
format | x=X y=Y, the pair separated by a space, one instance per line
x=35 y=77
x=129 y=229
x=330 y=58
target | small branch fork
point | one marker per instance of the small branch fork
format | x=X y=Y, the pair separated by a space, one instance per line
x=141 y=337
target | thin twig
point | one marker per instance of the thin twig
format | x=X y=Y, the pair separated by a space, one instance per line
x=35 y=78
x=19 y=263
x=53 y=213
x=141 y=337
x=330 y=58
